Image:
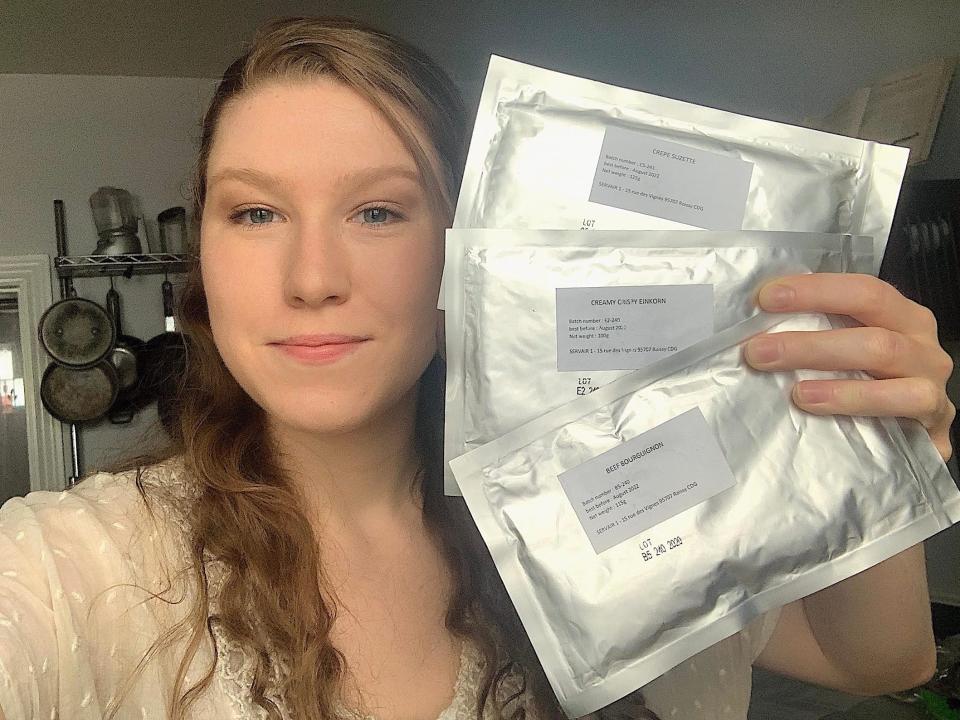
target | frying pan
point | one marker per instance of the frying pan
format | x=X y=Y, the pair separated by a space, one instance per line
x=125 y=359
x=163 y=363
x=76 y=332
x=75 y=395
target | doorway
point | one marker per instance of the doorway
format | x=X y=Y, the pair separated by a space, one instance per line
x=14 y=458
x=31 y=441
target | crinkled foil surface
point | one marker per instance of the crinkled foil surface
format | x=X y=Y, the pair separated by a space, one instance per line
x=815 y=500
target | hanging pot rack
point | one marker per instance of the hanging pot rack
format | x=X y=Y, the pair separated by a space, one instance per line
x=78 y=266
x=69 y=267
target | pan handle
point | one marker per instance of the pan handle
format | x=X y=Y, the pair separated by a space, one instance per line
x=66 y=284
x=61 y=227
x=67 y=290
x=113 y=307
x=169 y=322
x=74 y=457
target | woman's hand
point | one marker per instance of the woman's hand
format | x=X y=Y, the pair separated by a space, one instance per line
x=898 y=346
x=831 y=637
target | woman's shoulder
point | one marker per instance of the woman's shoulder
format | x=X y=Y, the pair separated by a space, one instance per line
x=137 y=516
x=89 y=578
x=107 y=496
x=163 y=488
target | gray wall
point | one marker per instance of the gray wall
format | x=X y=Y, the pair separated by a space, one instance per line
x=778 y=60
x=62 y=137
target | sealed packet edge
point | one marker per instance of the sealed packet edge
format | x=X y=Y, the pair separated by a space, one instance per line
x=640 y=672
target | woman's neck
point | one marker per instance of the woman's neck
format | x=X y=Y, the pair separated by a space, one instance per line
x=355 y=481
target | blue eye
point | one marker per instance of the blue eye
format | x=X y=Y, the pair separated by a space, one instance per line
x=253 y=216
x=259 y=215
x=376 y=216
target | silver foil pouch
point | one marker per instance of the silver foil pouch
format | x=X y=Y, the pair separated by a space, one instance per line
x=554 y=151
x=643 y=523
x=536 y=318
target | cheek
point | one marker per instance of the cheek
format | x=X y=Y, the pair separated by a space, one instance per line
x=215 y=273
x=407 y=291
x=234 y=324
x=234 y=295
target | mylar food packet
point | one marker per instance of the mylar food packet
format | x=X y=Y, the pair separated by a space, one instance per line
x=536 y=318
x=643 y=523
x=555 y=151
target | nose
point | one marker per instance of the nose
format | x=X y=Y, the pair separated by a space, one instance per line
x=317 y=267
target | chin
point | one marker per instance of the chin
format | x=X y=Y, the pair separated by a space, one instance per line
x=329 y=414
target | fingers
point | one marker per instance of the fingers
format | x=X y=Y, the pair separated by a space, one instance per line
x=898 y=345
x=917 y=398
x=865 y=298
x=882 y=353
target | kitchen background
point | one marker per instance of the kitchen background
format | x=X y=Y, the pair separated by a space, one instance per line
x=110 y=93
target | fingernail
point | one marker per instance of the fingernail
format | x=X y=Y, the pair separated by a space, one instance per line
x=812 y=393
x=763 y=350
x=777 y=297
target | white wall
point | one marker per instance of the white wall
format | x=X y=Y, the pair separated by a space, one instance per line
x=63 y=136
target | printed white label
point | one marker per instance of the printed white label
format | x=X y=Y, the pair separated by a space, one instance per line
x=625 y=328
x=646 y=480
x=643 y=174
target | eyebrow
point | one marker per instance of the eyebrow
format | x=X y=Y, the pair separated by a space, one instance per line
x=261 y=179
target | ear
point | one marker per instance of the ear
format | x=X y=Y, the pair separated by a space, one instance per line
x=441 y=336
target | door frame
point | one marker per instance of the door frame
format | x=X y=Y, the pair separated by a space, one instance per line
x=28 y=279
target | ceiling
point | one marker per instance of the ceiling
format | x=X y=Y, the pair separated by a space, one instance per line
x=118 y=37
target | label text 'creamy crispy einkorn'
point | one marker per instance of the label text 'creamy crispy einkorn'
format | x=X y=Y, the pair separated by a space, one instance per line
x=625 y=328
x=643 y=174
x=646 y=480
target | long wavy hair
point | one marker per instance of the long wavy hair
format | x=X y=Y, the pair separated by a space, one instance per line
x=247 y=514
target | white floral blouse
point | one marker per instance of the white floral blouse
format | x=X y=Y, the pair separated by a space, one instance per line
x=75 y=618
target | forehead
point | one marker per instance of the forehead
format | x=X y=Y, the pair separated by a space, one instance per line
x=317 y=125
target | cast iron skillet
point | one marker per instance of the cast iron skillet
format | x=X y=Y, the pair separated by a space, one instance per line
x=163 y=363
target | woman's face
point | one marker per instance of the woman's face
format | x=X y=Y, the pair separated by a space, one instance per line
x=321 y=256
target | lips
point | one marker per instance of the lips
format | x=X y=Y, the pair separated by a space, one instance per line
x=319 y=349
x=319 y=340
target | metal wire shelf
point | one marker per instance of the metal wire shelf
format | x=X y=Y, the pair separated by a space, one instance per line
x=73 y=266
